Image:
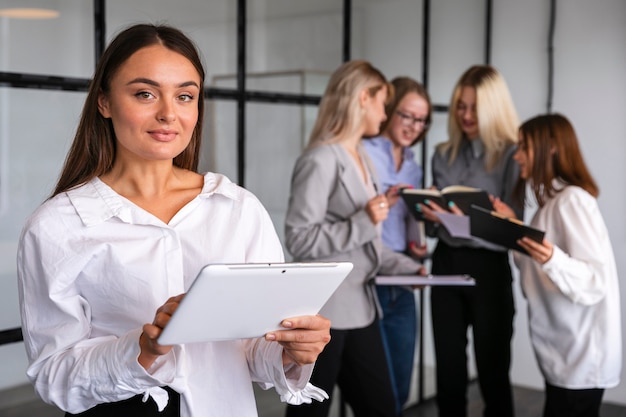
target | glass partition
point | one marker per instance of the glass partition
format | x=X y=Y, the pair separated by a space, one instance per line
x=52 y=44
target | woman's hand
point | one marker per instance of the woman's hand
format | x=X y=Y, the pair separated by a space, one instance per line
x=377 y=208
x=393 y=193
x=502 y=208
x=430 y=210
x=540 y=252
x=150 y=348
x=305 y=340
x=421 y=271
x=418 y=252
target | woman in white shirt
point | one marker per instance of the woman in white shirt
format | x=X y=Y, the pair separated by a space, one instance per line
x=125 y=232
x=570 y=280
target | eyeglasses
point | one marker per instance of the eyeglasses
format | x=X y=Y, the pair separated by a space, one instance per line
x=408 y=120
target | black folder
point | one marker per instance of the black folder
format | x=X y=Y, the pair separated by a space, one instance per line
x=490 y=226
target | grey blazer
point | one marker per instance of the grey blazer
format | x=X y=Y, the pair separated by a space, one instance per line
x=326 y=221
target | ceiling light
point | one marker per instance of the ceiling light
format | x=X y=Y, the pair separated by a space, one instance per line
x=29 y=13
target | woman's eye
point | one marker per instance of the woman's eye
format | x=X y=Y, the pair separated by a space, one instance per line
x=185 y=97
x=144 y=94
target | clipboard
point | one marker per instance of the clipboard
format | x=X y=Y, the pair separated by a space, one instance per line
x=237 y=301
x=432 y=280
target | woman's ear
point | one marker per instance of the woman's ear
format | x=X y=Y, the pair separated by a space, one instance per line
x=364 y=98
x=103 y=105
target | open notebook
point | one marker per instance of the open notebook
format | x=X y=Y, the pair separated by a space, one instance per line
x=235 y=301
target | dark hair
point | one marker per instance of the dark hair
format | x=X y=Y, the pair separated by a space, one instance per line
x=556 y=155
x=93 y=150
x=401 y=87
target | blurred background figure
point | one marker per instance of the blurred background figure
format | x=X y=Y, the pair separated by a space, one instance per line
x=408 y=120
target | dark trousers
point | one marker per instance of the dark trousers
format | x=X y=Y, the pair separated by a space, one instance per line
x=563 y=402
x=354 y=360
x=489 y=309
x=135 y=407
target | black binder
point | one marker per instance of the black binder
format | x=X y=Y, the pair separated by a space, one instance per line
x=490 y=226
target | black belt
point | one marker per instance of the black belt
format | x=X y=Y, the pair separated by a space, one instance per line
x=135 y=407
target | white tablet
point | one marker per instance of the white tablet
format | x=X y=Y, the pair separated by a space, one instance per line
x=236 y=301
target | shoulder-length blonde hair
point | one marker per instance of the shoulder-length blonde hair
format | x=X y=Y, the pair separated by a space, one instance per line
x=339 y=113
x=497 y=117
x=553 y=143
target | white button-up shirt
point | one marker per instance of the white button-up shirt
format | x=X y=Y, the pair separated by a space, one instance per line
x=93 y=268
x=573 y=299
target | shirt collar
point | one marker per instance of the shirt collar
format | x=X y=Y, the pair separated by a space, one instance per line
x=387 y=145
x=95 y=202
x=477 y=147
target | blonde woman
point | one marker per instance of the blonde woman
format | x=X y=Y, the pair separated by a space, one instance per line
x=482 y=128
x=335 y=213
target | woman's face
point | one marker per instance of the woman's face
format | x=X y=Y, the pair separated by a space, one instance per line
x=153 y=104
x=374 y=112
x=408 y=121
x=524 y=157
x=466 y=113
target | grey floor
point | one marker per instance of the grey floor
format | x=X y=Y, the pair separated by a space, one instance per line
x=22 y=402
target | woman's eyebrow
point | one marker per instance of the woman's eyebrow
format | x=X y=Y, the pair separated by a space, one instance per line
x=141 y=80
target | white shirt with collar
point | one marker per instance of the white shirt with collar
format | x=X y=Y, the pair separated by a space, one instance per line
x=93 y=268
x=573 y=299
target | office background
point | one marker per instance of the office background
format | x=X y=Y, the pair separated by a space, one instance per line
x=565 y=56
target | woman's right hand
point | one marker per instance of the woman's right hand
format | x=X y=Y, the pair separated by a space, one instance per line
x=150 y=348
x=377 y=208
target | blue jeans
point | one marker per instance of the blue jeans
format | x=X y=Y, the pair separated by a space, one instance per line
x=399 y=331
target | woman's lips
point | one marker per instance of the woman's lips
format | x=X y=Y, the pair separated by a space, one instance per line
x=163 y=135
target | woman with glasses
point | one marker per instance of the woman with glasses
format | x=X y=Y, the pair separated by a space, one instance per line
x=408 y=119
x=570 y=279
x=335 y=212
x=482 y=129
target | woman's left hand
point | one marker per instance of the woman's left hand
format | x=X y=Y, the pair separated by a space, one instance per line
x=305 y=340
x=540 y=252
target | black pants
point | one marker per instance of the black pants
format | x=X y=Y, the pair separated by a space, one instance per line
x=563 y=402
x=489 y=309
x=355 y=361
x=135 y=407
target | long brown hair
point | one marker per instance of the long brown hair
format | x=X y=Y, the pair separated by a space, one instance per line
x=401 y=87
x=92 y=152
x=556 y=155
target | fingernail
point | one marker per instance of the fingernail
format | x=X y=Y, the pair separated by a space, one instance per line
x=418 y=207
x=270 y=336
x=450 y=203
x=412 y=244
x=287 y=324
x=427 y=201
